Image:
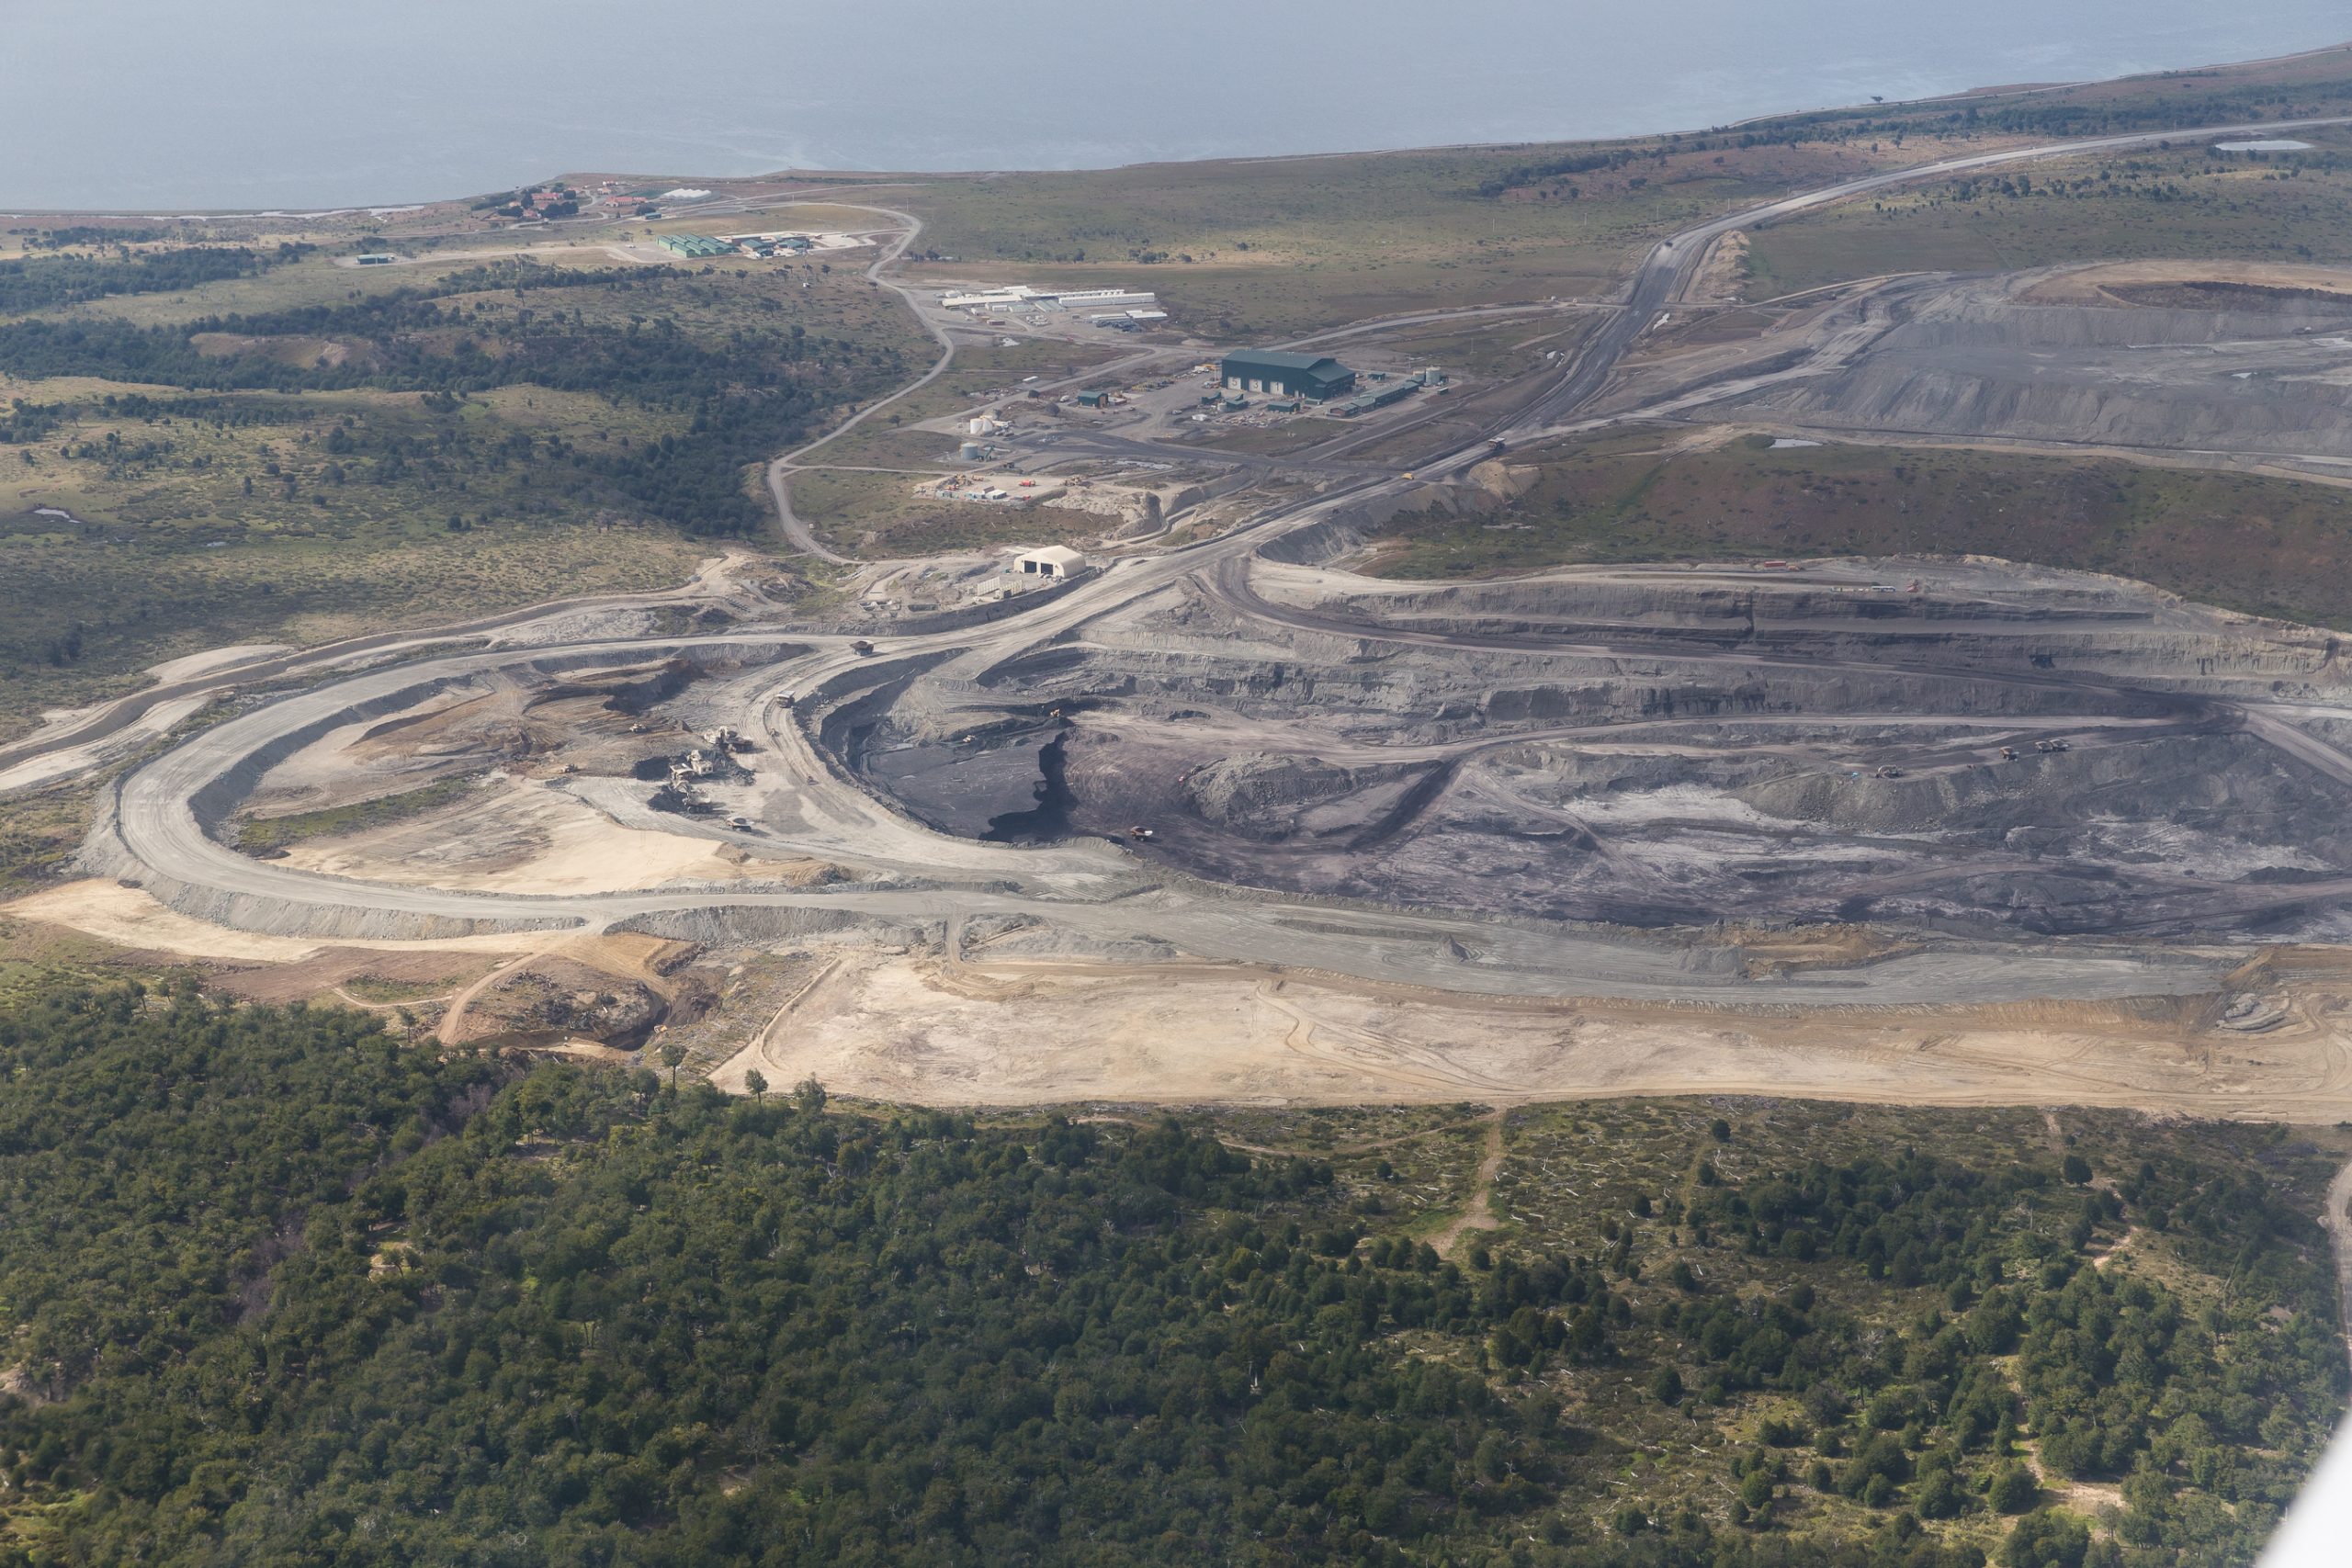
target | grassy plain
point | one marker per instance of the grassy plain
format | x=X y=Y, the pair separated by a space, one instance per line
x=381 y=811
x=2271 y=547
x=36 y=958
x=40 y=832
x=2181 y=202
x=111 y=599
x=1266 y=248
x=880 y=516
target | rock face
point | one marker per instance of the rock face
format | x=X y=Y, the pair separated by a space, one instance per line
x=1260 y=795
x=1676 y=748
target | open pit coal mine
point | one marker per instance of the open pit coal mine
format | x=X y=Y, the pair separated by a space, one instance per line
x=1963 y=748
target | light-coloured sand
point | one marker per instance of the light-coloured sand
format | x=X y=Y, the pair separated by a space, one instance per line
x=211 y=658
x=910 y=1028
x=2086 y=285
x=131 y=917
x=69 y=761
x=1722 y=278
x=576 y=850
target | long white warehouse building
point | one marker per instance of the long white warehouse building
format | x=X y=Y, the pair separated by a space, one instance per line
x=1021 y=297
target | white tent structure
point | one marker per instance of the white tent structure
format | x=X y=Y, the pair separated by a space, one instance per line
x=1049 y=560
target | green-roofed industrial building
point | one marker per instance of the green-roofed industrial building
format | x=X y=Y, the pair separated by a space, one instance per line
x=1310 y=376
x=697 y=245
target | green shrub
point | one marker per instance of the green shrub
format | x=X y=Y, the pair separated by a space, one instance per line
x=2014 y=1489
x=2048 y=1538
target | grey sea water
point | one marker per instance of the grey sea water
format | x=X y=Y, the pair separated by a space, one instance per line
x=306 y=103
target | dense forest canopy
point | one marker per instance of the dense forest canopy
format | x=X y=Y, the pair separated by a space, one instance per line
x=282 y=1289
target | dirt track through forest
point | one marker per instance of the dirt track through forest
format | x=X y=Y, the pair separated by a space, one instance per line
x=1478 y=1212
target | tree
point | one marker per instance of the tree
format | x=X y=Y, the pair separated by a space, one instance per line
x=756 y=1083
x=2047 y=1538
x=1994 y=1325
x=661 y=1325
x=673 y=1054
x=1877 y=1468
x=1939 y=1495
x=2014 y=1489
x=2075 y=1168
x=809 y=1098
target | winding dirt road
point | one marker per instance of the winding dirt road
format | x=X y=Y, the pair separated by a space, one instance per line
x=780 y=471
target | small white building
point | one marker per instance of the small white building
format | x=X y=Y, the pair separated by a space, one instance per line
x=1010 y=299
x=1049 y=560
